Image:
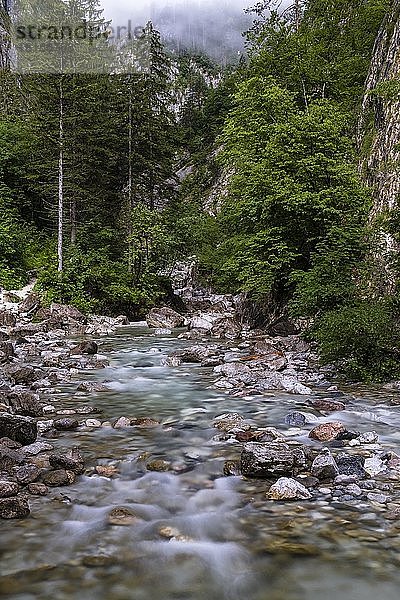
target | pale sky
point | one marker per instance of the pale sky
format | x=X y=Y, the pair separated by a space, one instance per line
x=122 y=10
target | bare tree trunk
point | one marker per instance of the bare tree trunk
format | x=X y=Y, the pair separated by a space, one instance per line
x=130 y=198
x=61 y=180
x=73 y=221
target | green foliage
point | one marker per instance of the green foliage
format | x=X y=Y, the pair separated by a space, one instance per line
x=364 y=340
x=296 y=207
x=94 y=283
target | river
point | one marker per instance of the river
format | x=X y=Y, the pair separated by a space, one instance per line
x=195 y=534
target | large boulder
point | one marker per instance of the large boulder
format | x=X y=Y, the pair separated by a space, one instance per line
x=25 y=403
x=68 y=313
x=23 y=374
x=30 y=304
x=164 y=318
x=271 y=460
x=7 y=318
x=18 y=428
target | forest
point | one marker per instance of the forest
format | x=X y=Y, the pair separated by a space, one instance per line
x=260 y=169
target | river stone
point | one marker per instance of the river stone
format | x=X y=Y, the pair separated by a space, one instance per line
x=229 y=421
x=38 y=489
x=327 y=405
x=8 y=488
x=27 y=474
x=354 y=490
x=144 y=422
x=122 y=422
x=369 y=437
x=18 y=428
x=120 y=515
x=70 y=461
x=14 y=508
x=7 y=319
x=93 y=423
x=164 y=318
x=92 y=386
x=231 y=468
x=270 y=460
x=349 y=464
x=66 y=424
x=58 y=478
x=288 y=489
x=158 y=465
x=25 y=403
x=373 y=466
x=4 y=336
x=85 y=347
x=295 y=419
x=24 y=374
x=324 y=466
x=106 y=470
x=326 y=432
x=379 y=498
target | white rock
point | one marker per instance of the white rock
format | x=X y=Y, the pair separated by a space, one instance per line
x=373 y=466
x=288 y=489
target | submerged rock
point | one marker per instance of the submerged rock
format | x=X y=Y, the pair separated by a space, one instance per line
x=288 y=489
x=158 y=465
x=122 y=516
x=230 y=421
x=58 y=478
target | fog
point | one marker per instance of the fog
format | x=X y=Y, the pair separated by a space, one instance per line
x=211 y=26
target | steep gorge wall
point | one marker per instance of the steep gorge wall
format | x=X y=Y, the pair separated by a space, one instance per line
x=379 y=128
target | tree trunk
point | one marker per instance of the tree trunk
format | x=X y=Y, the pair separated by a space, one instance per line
x=61 y=180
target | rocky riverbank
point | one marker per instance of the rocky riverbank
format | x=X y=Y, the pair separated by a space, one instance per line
x=36 y=354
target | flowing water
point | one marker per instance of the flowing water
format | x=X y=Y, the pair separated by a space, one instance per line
x=229 y=541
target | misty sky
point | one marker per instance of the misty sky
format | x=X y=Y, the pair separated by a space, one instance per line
x=211 y=26
x=122 y=10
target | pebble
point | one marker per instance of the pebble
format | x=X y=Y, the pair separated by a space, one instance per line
x=93 y=423
x=379 y=498
x=354 y=489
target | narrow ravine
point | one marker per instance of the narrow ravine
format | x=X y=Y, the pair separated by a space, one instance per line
x=123 y=530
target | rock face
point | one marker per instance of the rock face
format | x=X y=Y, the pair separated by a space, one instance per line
x=381 y=163
x=288 y=489
x=18 y=428
x=271 y=460
x=164 y=318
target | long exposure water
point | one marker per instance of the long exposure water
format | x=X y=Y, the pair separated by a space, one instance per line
x=228 y=540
